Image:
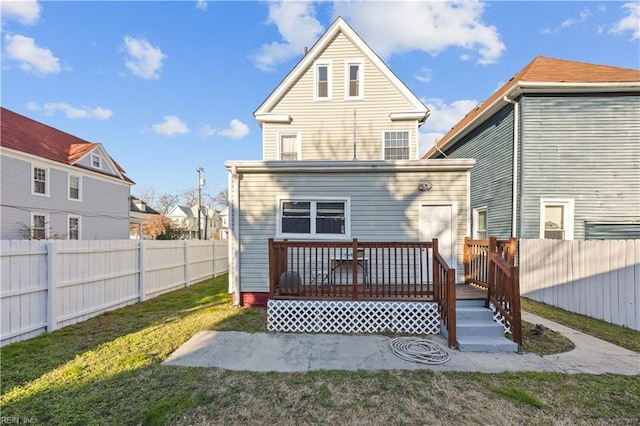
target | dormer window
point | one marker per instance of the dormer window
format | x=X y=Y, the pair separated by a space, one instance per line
x=96 y=161
x=322 y=77
x=354 y=79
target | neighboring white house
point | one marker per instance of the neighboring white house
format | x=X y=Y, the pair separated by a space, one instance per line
x=140 y=213
x=224 y=224
x=340 y=142
x=185 y=219
x=56 y=185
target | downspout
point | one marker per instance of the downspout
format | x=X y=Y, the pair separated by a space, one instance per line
x=235 y=250
x=514 y=212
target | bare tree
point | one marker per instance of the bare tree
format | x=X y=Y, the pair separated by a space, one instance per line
x=148 y=195
x=221 y=199
x=166 y=202
x=190 y=197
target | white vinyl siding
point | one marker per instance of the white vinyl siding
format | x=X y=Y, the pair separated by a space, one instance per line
x=75 y=187
x=40 y=180
x=328 y=127
x=396 y=145
x=354 y=79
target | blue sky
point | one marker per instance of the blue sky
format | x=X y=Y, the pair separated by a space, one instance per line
x=172 y=85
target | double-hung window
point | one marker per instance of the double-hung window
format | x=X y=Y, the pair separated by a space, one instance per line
x=319 y=218
x=322 y=77
x=354 y=79
x=556 y=219
x=40 y=180
x=396 y=145
x=480 y=223
x=289 y=146
x=96 y=161
x=38 y=226
x=74 y=187
x=73 y=228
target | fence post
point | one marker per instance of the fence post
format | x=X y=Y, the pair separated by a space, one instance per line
x=141 y=271
x=52 y=282
x=186 y=263
x=214 y=243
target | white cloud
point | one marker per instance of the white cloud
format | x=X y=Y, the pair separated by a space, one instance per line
x=631 y=22
x=144 y=60
x=171 y=126
x=201 y=4
x=442 y=118
x=27 y=12
x=32 y=58
x=298 y=28
x=237 y=130
x=69 y=111
x=573 y=21
x=425 y=26
x=424 y=75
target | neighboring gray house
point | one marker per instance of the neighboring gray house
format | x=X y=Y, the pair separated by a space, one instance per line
x=562 y=139
x=139 y=214
x=340 y=161
x=55 y=185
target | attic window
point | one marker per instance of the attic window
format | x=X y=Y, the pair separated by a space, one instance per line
x=354 y=81
x=96 y=161
x=322 y=80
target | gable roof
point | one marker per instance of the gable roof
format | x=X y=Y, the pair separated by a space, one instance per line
x=139 y=206
x=186 y=212
x=545 y=75
x=338 y=26
x=32 y=137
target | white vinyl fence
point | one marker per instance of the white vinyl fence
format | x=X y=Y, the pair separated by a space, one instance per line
x=50 y=284
x=599 y=278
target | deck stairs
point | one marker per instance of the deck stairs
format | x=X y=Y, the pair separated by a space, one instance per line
x=476 y=331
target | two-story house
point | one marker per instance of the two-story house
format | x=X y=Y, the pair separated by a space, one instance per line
x=139 y=214
x=56 y=185
x=340 y=161
x=558 y=153
x=185 y=219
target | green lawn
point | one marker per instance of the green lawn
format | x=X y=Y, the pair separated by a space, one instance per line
x=108 y=370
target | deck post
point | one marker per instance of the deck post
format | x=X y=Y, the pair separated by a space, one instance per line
x=516 y=326
x=354 y=265
x=491 y=272
x=272 y=264
x=466 y=259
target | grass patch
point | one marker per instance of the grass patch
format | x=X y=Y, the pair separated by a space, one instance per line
x=618 y=335
x=517 y=394
x=108 y=370
x=547 y=343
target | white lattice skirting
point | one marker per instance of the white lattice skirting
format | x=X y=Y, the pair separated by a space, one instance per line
x=497 y=317
x=352 y=317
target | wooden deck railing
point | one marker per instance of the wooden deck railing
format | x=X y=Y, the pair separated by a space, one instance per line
x=476 y=258
x=504 y=292
x=351 y=270
x=444 y=284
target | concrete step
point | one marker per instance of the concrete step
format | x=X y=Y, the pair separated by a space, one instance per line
x=466 y=303
x=485 y=344
x=479 y=328
x=474 y=313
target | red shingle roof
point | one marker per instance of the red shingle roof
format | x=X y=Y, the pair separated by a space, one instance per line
x=26 y=135
x=546 y=70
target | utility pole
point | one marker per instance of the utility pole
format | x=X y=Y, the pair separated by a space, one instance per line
x=199 y=170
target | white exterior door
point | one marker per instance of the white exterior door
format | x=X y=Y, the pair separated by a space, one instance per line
x=439 y=221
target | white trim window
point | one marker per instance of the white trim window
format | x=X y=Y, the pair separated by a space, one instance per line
x=289 y=146
x=39 y=222
x=73 y=227
x=480 y=223
x=75 y=187
x=354 y=79
x=556 y=219
x=322 y=80
x=96 y=161
x=40 y=180
x=318 y=217
x=396 y=145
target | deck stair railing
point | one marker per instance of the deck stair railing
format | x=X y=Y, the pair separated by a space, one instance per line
x=444 y=283
x=476 y=258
